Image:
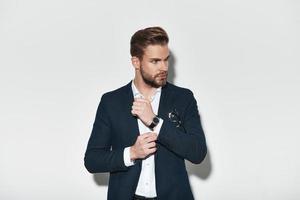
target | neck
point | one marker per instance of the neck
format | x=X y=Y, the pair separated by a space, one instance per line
x=146 y=90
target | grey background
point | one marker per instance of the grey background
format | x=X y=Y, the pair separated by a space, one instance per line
x=240 y=58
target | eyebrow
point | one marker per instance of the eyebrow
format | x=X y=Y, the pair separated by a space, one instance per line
x=158 y=59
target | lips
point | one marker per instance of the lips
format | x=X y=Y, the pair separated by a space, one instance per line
x=162 y=76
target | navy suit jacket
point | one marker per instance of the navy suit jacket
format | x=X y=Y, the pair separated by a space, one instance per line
x=181 y=137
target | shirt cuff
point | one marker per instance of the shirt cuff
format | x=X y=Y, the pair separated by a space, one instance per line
x=158 y=126
x=126 y=156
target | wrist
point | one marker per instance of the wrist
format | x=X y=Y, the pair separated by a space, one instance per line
x=151 y=120
x=132 y=153
x=154 y=123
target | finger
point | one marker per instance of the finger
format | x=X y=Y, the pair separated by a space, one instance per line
x=152 y=150
x=150 y=139
x=142 y=136
x=152 y=134
x=150 y=145
x=138 y=97
x=133 y=112
x=138 y=101
x=146 y=135
x=141 y=107
x=142 y=100
x=136 y=108
x=135 y=103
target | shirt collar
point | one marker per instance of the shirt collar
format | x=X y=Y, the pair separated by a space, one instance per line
x=137 y=94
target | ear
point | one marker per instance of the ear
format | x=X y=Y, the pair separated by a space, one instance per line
x=136 y=62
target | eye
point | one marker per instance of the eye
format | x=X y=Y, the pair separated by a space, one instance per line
x=167 y=59
x=154 y=61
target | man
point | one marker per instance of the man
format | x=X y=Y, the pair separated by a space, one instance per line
x=145 y=130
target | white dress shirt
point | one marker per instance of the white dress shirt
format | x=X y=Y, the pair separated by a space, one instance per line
x=146 y=185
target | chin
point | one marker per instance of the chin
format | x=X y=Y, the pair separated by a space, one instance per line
x=161 y=83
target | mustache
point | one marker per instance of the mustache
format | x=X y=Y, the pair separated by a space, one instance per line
x=162 y=74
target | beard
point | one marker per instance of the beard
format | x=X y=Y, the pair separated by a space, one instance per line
x=156 y=81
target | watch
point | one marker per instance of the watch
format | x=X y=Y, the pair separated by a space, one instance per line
x=154 y=122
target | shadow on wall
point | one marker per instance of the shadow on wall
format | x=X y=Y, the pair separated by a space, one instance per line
x=171 y=69
x=101 y=179
x=201 y=171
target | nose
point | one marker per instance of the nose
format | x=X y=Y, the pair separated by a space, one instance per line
x=164 y=65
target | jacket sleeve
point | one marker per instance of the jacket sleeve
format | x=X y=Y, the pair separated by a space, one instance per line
x=99 y=157
x=189 y=144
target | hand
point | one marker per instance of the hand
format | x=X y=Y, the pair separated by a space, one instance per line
x=143 y=110
x=144 y=145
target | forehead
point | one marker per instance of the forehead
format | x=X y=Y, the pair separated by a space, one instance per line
x=156 y=51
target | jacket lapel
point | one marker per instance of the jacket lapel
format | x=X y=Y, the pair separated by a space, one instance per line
x=131 y=121
x=166 y=102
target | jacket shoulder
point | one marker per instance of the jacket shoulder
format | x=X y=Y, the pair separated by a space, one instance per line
x=116 y=93
x=179 y=90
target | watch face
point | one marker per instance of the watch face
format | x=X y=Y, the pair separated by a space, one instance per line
x=156 y=120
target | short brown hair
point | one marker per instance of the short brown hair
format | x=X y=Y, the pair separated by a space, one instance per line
x=148 y=36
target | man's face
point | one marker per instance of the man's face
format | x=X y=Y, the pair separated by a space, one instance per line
x=154 y=65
